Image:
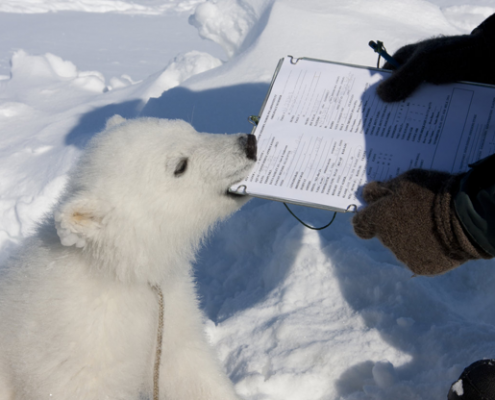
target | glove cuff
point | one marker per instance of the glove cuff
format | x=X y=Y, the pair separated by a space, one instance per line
x=454 y=239
x=475 y=203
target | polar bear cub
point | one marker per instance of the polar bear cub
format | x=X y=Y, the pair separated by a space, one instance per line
x=78 y=311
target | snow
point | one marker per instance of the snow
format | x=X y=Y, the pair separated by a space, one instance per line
x=182 y=67
x=292 y=313
x=135 y=7
x=134 y=45
x=226 y=22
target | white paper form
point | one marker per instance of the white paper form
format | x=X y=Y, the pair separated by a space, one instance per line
x=324 y=132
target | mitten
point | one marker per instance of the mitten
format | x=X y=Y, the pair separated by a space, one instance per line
x=441 y=60
x=413 y=215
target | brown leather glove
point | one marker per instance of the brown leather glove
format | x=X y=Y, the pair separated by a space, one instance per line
x=413 y=216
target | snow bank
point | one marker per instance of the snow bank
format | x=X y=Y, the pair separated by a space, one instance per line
x=40 y=69
x=466 y=17
x=227 y=22
x=332 y=30
x=147 y=7
x=112 y=43
x=48 y=111
x=181 y=68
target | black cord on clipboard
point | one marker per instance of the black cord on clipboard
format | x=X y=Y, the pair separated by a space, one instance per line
x=309 y=226
x=254 y=119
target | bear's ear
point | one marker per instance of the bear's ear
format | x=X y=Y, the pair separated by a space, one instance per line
x=115 y=120
x=79 y=220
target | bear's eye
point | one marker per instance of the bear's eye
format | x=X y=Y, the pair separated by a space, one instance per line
x=181 y=167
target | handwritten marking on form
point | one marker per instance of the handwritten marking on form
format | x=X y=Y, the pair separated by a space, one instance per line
x=324 y=132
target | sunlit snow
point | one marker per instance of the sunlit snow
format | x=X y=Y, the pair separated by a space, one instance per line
x=293 y=314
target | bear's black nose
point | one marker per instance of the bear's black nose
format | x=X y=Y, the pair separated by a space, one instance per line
x=251 y=147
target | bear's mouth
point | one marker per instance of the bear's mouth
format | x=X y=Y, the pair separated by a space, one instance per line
x=248 y=142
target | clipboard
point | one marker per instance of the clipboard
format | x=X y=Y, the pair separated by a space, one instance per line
x=323 y=133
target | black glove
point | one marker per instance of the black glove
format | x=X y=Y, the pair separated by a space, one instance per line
x=413 y=215
x=442 y=60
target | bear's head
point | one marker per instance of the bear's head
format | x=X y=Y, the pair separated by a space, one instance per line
x=147 y=190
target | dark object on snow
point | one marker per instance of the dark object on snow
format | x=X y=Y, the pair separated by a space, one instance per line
x=413 y=215
x=477 y=382
x=441 y=60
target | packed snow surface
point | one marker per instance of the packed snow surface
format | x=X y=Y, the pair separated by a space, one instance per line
x=292 y=313
x=150 y=7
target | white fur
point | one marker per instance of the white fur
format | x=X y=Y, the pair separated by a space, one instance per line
x=78 y=317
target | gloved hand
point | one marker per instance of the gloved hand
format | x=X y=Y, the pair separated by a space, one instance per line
x=413 y=216
x=442 y=60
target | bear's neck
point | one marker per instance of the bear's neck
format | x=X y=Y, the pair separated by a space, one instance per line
x=146 y=258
